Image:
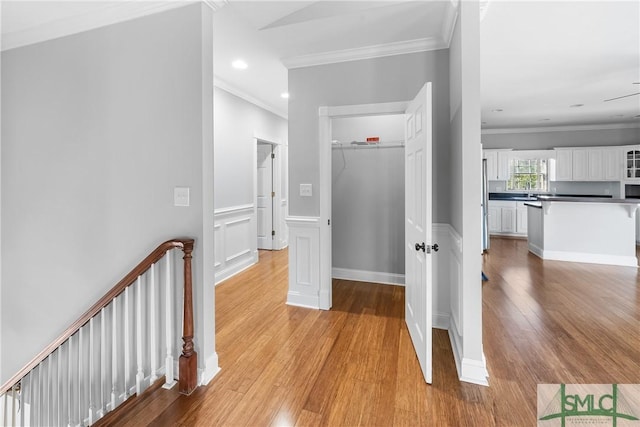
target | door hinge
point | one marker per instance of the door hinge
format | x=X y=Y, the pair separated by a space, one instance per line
x=273 y=194
x=328 y=222
x=273 y=232
x=273 y=155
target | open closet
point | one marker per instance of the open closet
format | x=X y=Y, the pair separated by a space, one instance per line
x=368 y=198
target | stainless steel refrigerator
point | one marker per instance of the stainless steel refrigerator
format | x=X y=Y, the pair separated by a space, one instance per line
x=485 y=208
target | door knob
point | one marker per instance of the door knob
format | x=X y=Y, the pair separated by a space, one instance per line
x=435 y=247
x=420 y=246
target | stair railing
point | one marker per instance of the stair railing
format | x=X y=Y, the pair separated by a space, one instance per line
x=112 y=351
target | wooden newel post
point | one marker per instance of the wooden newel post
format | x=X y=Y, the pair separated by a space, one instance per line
x=188 y=377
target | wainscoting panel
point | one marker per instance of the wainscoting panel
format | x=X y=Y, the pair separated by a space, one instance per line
x=236 y=244
x=441 y=277
x=304 y=255
x=455 y=278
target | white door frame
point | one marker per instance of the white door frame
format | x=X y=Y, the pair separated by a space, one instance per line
x=278 y=211
x=324 y=129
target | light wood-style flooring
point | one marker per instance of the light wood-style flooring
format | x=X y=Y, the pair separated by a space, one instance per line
x=544 y=322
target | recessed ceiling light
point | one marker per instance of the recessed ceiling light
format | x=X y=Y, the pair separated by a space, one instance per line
x=284 y=95
x=617 y=115
x=239 y=64
x=544 y=120
x=576 y=105
x=497 y=110
x=484 y=123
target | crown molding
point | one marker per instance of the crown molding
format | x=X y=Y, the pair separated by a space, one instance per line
x=449 y=22
x=108 y=14
x=234 y=90
x=216 y=5
x=562 y=128
x=367 y=52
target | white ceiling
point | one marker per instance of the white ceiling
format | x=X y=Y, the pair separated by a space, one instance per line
x=537 y=57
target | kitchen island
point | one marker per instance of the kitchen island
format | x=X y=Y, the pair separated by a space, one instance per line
x=583 y=229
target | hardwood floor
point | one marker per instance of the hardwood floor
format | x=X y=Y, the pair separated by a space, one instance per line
x=544 y=322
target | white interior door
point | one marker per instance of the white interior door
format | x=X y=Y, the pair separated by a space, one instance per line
x=264 y=200
x=418 y=230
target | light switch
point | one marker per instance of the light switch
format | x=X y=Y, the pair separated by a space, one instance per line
x=305 y=190
x=181 y=196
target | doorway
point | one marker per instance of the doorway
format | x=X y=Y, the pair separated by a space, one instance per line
x=265 y=195
x=418 y=244
x=270 y=194
x=367 y=206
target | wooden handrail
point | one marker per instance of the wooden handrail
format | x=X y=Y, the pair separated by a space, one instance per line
x=187 y=246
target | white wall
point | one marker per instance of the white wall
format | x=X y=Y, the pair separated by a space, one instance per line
x=237 y=124
x=465 y=329
x=543 y=140
x=368 y=200
x=98 y=128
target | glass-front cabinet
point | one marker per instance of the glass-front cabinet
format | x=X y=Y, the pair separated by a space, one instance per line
x=632 y=162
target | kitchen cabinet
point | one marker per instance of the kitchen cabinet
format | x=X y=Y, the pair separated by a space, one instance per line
x=507 y=217
x=611 y=159
x=580 y=164
x=588 y=164
x=492 y=164
x=495 y=219
x=632 y=162
x=521 y=218
x=503 y=165
x=564 y=165
x=497 y=164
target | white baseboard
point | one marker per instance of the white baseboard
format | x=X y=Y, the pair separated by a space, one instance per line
x=469 y=370
x=535 y=249
x=368 y=276
x=441 y=321
x=237 y=268
x=300 y=300
x=211 y=369
x=625 y=261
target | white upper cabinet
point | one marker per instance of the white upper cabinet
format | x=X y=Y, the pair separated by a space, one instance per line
x=611 y=159
x=497 y=164
x=564 y=165
x=492 y=164
x=503 y=165
x=588 y=164
x=596 y=164
x=580 y=164
x=631 y=162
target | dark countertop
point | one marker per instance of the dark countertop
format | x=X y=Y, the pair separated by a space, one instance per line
x=537 y=205
x=532 y=197
x=586 y=199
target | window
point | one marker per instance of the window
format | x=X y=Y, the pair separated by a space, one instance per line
x=528 y=175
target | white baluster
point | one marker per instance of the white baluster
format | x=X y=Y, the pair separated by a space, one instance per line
x=168 y=315
x=80 y=374
x=140 y=373
x=58 y=390
x=48 y=389
x=103 y=360
x=14 y=417
x=22 y=408
x=4 y=410
x=153 y=344
x=69 y=381
x=127 y=344
x=114 y=353
x=91 y=369
x=32 y=412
